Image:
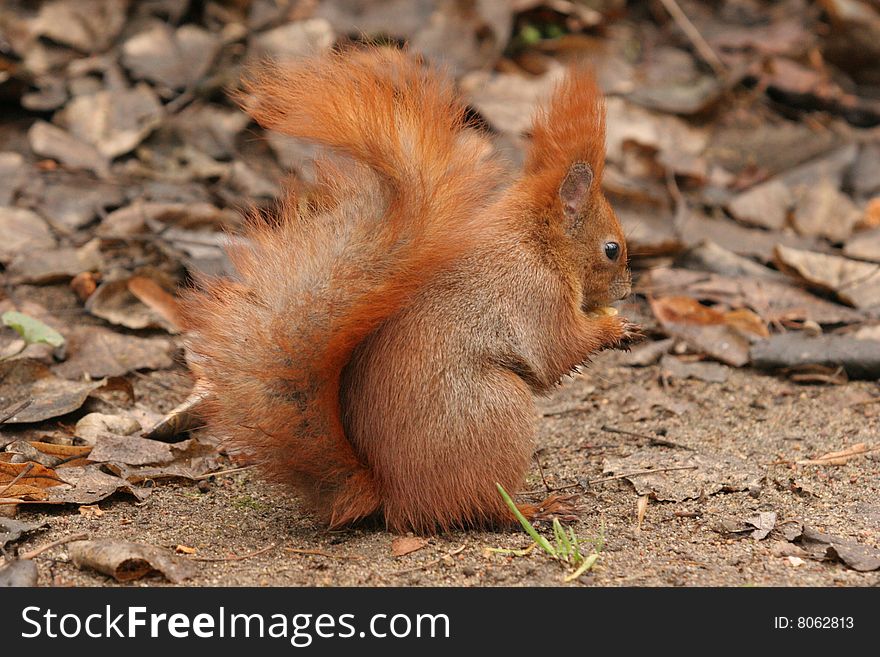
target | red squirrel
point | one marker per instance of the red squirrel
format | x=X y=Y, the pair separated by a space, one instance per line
x=382 y=342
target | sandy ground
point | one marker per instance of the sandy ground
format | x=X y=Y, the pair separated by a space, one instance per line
x=762 y=421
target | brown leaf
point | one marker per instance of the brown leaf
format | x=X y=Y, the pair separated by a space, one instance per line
x=99 y=352
x=50 y=396
x=854 y=282
x=31 y=480
x=773 y=301
x=87 y=25
x=706 y=329
x=405 y=544
x=12 y=530
x=114 y=122
x=864 y=246
x=22 y=231
x=127 y=562
x=130 y=450
x=51 y=266
x=151 y=294
x=824 y=211
x=19 y=572
x=48 y=140
x=88 y=484
x=764 y=205
x=713 y=473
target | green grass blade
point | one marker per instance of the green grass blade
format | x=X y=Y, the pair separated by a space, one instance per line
x=540 y=540
x=584 y=567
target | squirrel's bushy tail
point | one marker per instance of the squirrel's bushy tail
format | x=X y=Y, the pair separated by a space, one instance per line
x=273 y=343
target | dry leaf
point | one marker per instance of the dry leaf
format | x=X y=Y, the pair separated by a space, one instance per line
x=126 y=562
x=90 y=511
x=25 y=379
x=151 y=294
x=405 y=544
x=855 y=282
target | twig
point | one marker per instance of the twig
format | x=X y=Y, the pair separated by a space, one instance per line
x=15 y=410
x=48 y=546
x=321 y=553
x=641 y=472
x=551 y=490
x=25 y=470
x=235 y=558
x=694 y=36
x=428 y=564
x=653 y=439
x=541 y=470
x=223 y=472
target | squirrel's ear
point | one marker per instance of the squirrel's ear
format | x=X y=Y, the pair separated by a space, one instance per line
x=575 y=189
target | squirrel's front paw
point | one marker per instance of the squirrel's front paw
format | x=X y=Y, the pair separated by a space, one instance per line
x=630 y=334
x=622 y=333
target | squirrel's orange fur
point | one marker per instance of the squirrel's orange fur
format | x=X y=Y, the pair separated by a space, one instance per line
x=380 y=349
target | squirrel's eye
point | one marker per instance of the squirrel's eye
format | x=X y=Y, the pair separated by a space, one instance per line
x=612 y=250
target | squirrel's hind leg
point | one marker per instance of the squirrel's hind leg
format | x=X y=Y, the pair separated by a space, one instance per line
x=440 y=465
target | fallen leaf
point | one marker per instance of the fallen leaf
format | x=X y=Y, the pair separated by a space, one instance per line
x=824 y=211
x=12 y=530
x=114 y=122
x=127 y=562
x=858 y=557
x=32 y=330
x=405 y=544
x=292 y=40
x=766 y=205
x=18 y=573
x=130 y=450
x=90 y=511
x=100 y=352
x=26 y=379
x=32 y=480
x=51 y=266
x=94 y=425
x=172 y=58
x=22 y=231
x=707 y=330
x=508 y=100
x=854 y=282
x=51 y=141
x=772 y=301
x=763 y=523
x=641 y=509
x=151 y=294
x=88 y=484
x=712 y=473
x=864 y=246
x=87 y=25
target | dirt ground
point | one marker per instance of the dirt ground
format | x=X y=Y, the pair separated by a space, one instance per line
x=764 y=421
